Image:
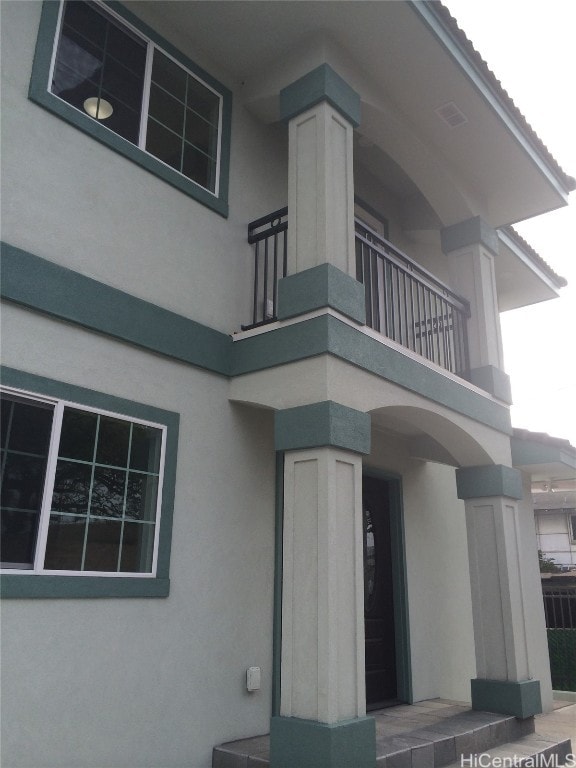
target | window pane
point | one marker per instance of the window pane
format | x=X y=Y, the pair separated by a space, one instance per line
x=30 y=428
x=103 y=545
x=200 y=133
x=203 y=101
x=90 y=23
x=71 y=488
x=198 y=167
x=127 y=49
x=26 y=429
x=137 y=547
x=113 y=440
x=163 y=144
x=145 y=451
x=5 y=416
x=78 y=434
x=200 y=127
x=23 y=481
x=77 y=70
x=141 y=497
x=18 y=541
x=166 y=109
x=108 y=492
x=122 y=85
x=124 y=121
x=65 y=543
x=169 y=75
x=98 y=59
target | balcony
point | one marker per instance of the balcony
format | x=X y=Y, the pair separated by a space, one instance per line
x=404 y=302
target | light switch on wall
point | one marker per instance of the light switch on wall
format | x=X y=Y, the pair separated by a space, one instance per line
x=253 y=679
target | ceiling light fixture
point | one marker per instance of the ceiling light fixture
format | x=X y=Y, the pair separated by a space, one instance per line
x=98 y=108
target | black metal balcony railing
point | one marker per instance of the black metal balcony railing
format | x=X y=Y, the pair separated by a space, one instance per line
x=403 y=300
x=269 y=237
x=409 y=305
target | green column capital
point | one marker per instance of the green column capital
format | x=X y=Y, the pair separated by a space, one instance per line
x=321 y=84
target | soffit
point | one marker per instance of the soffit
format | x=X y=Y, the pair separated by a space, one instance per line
x=483 y=156
x=550 y=461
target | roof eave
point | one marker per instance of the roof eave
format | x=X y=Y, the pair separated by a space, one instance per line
x=445 y=27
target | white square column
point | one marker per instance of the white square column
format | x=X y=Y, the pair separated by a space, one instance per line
x=500 y=585
x=322 y=720
x=322 y=675
x=470 y=247
x=321 y=110
x=320 y=191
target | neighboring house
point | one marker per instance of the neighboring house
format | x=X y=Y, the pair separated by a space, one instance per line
x=551 y=464
x=198 y=468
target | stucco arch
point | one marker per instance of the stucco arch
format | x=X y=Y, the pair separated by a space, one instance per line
x=435 y=437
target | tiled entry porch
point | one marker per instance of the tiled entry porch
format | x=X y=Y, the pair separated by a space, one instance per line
x=425 y=735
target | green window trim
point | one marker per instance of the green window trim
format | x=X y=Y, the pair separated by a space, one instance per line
x=40 y=94
x=27 y=585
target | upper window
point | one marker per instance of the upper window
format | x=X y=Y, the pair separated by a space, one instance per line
x=80 y=489
x=107 y=75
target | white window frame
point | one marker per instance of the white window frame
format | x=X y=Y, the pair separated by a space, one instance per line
x=45 y=510
x=151 y=46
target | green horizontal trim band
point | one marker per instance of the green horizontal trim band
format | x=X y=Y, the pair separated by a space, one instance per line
x=321 y=84
x=521 y=699
x=296 y=743
x=328 y=335
x=494 y=381
x=491 y=480
x=67 y=295
x=42 y=586
x=318 y=287
x=41 y=285
x=530 y=451
x=322 y=424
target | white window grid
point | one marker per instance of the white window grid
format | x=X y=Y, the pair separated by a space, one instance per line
x=59 y=405
x=150 y=47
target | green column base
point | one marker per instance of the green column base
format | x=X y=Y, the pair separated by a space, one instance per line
x=322 y=286
x=520 y=699
x=296 y=743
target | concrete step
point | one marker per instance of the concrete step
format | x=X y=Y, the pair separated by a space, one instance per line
x=423 y=736
x=532 y=751
x=429 y=735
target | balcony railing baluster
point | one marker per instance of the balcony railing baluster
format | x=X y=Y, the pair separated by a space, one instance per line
x=404 y=301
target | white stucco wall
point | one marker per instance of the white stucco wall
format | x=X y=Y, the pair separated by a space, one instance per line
x=74 y=201
x=112 y=683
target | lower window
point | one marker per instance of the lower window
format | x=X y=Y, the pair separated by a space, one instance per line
x=80 y=488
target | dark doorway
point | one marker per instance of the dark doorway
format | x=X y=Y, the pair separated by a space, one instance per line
x=381 y=681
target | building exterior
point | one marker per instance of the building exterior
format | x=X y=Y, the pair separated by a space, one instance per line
x=551 y=463
x=290 y=455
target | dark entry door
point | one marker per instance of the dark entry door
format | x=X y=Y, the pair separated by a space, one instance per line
x=381 y=685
